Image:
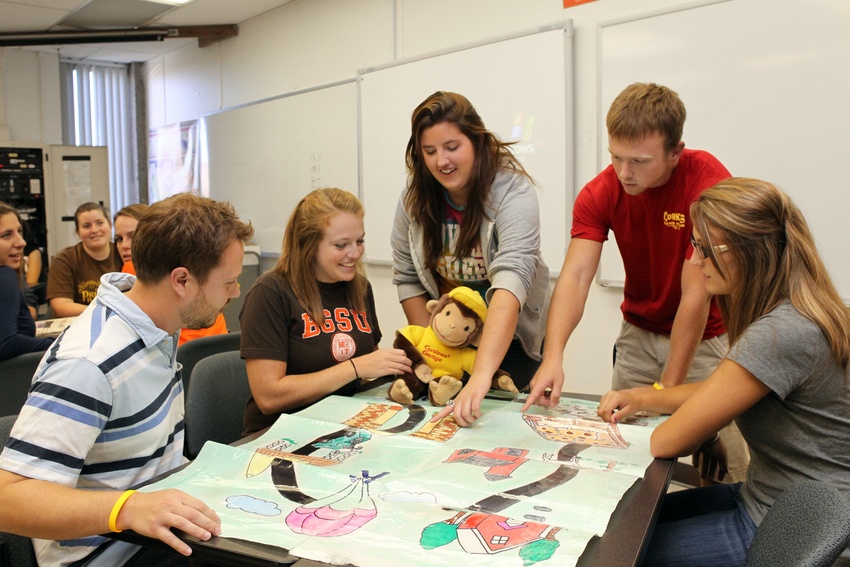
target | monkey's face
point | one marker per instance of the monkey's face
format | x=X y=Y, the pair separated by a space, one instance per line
x=451 y=327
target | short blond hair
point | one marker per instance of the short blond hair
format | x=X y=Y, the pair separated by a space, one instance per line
x=136 y=211
x=643 y=109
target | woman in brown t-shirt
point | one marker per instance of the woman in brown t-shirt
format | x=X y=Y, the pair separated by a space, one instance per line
x=309 y=327
x=75 y=272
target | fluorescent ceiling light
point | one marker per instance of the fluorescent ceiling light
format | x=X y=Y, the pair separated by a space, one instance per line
x=171 y=2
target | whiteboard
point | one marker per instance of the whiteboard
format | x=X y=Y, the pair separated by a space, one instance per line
x=265 y=157
x=765 y=84
x=522 y=89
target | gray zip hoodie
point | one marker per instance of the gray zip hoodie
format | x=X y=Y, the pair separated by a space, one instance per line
x=510 y=239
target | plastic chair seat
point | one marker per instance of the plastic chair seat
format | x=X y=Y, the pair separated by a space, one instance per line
x=808 y=525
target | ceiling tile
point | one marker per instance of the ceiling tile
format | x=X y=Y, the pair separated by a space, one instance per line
x=16 y=17
x=69 y=5
x=115 y=13
x=213 y=12
x=20 y=16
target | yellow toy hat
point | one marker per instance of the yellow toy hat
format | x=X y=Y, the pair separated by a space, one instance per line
x=471 y=299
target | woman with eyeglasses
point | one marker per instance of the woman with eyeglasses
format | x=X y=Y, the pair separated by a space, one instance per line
x=784 y=380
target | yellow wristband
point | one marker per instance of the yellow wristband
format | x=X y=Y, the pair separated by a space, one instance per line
x=116 y=509
x=658 y=386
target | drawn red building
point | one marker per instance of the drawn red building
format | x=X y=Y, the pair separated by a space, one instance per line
x=489 y=533
x=501 y=461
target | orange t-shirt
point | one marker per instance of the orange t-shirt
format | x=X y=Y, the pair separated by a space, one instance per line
x=186 y=335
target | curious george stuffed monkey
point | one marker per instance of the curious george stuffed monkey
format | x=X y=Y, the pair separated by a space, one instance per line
x=441 y=352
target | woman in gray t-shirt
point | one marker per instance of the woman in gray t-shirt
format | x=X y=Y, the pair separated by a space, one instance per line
x=784 y=380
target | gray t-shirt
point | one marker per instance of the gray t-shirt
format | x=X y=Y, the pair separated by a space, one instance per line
x=801 y=430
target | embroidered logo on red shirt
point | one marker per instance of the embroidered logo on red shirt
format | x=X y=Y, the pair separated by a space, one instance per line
x=674 y=220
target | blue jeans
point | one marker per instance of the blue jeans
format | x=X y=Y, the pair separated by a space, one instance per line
x=701 y=527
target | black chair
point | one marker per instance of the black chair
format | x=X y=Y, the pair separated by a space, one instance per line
x=15 y=550
x=809 y=524
x=190 y=353
x=15 y=381
x=215 y=401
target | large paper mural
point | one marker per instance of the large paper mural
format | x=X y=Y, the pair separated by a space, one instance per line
x=365 y=481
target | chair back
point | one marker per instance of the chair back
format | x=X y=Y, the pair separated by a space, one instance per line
x=809 y=524
x=252 y=268
x=15 y=550
x=189 y=353
x=215 y=401
x=15 y=381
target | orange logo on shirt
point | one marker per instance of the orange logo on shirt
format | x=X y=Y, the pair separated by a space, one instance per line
x=437 y=356
x=343 y=320
x=674 y=220
x=88 y=291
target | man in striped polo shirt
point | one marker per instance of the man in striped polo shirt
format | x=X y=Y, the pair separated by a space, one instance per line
x=105 y=411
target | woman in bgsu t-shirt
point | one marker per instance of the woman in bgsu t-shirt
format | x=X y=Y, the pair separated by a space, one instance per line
x=309 y=327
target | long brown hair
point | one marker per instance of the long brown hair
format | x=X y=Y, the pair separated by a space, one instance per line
x=10 y=210
x=770 y=243
x=424 y=199
x=304 y=231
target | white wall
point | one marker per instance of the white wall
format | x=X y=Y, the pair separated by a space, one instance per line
x=305 y=44
x=30 y=84
x=315 y=42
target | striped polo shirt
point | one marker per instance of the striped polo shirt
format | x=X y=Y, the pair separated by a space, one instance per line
x=105 y=411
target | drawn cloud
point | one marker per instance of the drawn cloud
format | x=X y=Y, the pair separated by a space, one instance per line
x=253 y=505
x=412 y=497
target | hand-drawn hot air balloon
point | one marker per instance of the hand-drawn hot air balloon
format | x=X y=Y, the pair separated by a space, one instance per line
x=338 y=514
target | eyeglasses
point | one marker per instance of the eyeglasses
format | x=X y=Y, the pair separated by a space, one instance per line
x=703 y=252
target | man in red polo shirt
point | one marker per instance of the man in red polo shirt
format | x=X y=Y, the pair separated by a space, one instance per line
x=672 y=331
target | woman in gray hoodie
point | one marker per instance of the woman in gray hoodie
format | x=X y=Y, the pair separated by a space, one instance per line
x=470 y=216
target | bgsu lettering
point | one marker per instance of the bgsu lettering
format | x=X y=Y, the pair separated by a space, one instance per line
x=343 y=320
